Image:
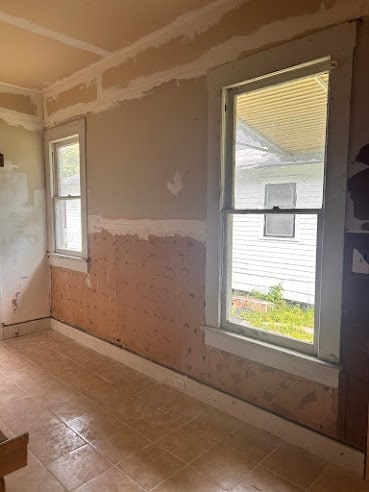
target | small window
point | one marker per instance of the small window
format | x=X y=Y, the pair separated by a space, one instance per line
x=66 y=190
x=280 y=195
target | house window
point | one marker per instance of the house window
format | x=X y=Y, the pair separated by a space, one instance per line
x=66 y=182
x=271 y=287
x=280 y=195
x=282 y=117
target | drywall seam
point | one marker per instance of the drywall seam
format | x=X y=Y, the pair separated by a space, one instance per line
x=143 y=228
x=331 y=450
x=187 y=25
x=30 y=26
x=226 y=52
x=16 y=118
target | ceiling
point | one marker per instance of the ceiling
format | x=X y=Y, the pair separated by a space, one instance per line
x=290 y=116
x=47 y=40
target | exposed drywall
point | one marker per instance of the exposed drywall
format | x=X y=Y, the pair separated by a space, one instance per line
x=145 y=286
x=21 y=107
x=76 y=95
x=24 y=272
x=190 y=50
x=148 y=295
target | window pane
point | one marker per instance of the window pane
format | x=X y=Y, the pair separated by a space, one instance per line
x=68 y=225
x=272 y=286
x=68 y=170
x=282 y=195
x=279 y=225
x=280 y=133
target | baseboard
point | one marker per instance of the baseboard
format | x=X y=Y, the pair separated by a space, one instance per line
x=333 y=451
x=25 y=328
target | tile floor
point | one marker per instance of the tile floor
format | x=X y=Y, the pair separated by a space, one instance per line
x=96 y=425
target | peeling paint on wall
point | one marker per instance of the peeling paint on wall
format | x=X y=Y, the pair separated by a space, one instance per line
x=147 y=295
x=144 y=228
x=358 y=186
x=175 y=184
x=23 y=266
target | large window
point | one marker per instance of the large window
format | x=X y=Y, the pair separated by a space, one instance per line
x=270 y=287
x=66 y=190
x=276 y=199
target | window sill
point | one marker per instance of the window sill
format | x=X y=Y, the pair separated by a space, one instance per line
x=69 y=262
x=286 y=360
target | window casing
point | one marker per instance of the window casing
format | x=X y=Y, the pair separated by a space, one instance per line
x=66 y=190
x=330 y=49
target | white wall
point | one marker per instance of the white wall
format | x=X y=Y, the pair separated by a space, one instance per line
x=260 y=262
x=24 y=274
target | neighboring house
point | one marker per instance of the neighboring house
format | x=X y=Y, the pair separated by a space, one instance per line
x=70 y=216
x=275 y=249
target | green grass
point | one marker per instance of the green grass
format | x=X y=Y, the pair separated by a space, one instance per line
x=290 y=320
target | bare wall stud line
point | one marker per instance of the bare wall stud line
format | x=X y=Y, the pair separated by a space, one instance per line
x=30 y=26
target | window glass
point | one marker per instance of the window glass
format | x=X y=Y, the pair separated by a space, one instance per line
x=279 y=131
x=279 y=139
x=68 y=169
x=281 y=195
x=68 y=225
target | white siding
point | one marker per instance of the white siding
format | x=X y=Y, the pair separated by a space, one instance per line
x=260 y=262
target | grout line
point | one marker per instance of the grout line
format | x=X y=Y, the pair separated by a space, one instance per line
x=139 y=395
x=316 y=478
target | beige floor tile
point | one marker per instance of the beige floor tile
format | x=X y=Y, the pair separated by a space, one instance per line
x=151 y=466
x=33 y=478
x=223 y=466
x=120 y=443
x=99 y=390
x=54 y=391
x=216 y=424
x=113 y=480
x=155 y=424
x=184 y=407
x=295 y=464
x=186 y=443
x=78 y=467
x=57 y=441
x=95 y=426
x=254 y=443
x=72 y=409
x=130 y=380
x=159 y=395
x=114 y=372
x=127 y=407
x=146 y=419
x=333 y=479
x=188 y=480
x=262 y=480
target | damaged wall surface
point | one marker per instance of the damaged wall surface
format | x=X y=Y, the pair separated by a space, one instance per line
x=146 y=120
x=24 y=274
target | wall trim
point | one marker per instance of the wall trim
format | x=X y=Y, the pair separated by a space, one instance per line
x=284 y=359
x=329 y=449
x=25 y=328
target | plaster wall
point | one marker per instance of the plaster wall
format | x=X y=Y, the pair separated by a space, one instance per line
x=24 y=274
x=146 y=164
